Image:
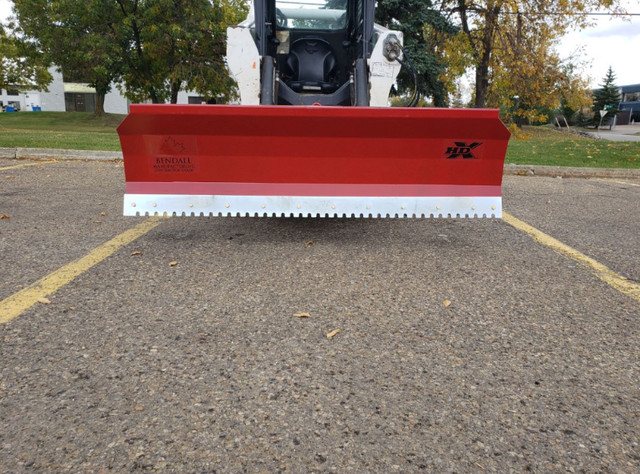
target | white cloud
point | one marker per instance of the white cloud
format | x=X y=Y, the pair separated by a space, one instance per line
x=612 y=41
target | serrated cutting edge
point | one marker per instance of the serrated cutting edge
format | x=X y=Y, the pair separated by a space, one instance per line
x=312 y=206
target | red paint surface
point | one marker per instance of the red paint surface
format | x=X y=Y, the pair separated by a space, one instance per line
x=305 y=189
x=350 y=151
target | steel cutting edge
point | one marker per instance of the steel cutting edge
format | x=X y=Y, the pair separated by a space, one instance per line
x=226 y=160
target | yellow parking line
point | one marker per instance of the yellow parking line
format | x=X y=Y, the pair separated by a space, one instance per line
x=27 y=164
x=15 y=305
x=619 y=282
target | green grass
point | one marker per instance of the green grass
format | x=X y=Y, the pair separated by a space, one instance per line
x=70 y=130
x=547 y=146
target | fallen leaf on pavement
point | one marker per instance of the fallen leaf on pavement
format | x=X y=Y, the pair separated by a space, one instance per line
x=44 y=300
x=308 y=243
x=137 y=252
x=333 y=333
x=446 y=303
x=302 y=315
x=103 y=213
x=173 y=264
x=4 y=216
x=138 y=408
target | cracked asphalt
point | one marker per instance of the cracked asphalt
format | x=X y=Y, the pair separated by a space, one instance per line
x=464 y=345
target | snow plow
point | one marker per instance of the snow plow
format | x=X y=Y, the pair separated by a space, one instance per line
x=313 y=136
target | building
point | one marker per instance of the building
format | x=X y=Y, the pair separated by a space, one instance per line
x=72 y=97
x=630 y=102
x=53 y=99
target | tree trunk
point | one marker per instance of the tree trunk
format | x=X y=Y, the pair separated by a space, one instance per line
x=99 y=112
x=482 y=85
x=484 y=59
x=102 y=88
x=175 y=88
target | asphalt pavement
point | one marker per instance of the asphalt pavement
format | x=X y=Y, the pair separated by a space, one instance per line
x=463 y=345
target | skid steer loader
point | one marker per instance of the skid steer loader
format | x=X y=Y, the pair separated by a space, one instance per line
x=313 y=136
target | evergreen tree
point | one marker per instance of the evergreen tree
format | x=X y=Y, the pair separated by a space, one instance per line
x=607 y=97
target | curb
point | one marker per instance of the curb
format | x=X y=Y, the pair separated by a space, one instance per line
x=58 y=154
x=509 y=169
x=569 y=172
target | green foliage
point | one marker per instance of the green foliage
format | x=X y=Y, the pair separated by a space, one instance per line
x=22 y=64
x=169 y=45
x=607 y=97
x=73 y=36
x=419 y=21
x=155 y=48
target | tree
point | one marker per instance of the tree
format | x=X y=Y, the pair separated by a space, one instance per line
x=21 y=63
x=496 y=33
x=154 y=47
x=525 y=66
x=73 y=36
x=607 y=97
x=419 y=23
x=168 y=45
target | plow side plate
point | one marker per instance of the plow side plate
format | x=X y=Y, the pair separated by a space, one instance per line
x=312 y=161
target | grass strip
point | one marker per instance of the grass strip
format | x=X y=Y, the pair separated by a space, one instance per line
x=549 y=147
x=67 y=130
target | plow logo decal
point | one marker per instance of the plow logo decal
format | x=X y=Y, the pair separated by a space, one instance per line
x=462 y=149
x=173 y=157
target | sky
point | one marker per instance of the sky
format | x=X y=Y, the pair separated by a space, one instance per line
x=611 y=42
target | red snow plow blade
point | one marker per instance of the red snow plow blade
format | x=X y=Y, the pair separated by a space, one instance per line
x=312 y=161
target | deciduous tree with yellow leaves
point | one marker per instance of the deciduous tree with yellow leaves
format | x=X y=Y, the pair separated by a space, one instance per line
x=509 y=45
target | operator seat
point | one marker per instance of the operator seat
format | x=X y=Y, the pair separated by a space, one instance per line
x=313 y=64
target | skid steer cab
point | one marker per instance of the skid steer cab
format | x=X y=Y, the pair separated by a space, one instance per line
x=278 y=155
x=305 y=52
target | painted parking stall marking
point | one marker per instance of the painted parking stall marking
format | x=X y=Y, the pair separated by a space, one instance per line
x=18 y=303
x=610 y=277
x=23 y=165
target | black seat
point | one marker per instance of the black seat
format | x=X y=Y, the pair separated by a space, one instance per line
x=313 y=65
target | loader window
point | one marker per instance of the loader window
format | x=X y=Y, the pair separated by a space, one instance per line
x=311 y=14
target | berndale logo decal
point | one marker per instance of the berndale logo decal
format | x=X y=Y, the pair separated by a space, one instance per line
x=462 y=150
x=173 y=157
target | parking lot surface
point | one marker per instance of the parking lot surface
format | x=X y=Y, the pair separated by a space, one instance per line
x=463 y=345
